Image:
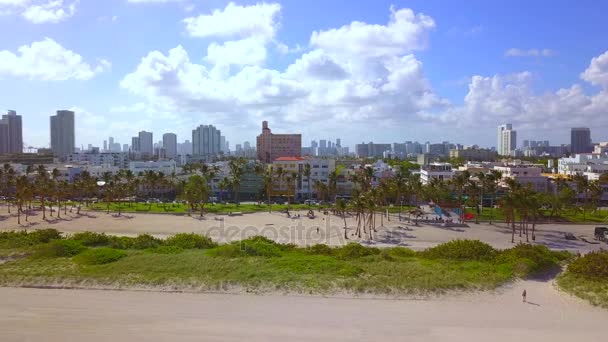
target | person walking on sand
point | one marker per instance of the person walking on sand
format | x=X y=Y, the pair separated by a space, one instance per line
x=523 y=296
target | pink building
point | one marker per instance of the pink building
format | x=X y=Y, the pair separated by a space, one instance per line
x=272 y=146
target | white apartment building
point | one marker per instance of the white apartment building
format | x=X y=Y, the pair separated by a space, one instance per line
x=319 y=171
x=118 y=159
x=589 y=164
x=507 y=140
x=165 y=166
x=441 y=171
x=525 y=174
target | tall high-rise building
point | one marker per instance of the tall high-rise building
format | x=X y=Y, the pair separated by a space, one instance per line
x=507 y=140
x=170 y=145
x=105 y=145
x=206 y=141
x=135 y=144
x=63 y=136
x=580 y=140
x=272 y=146
x=11 y=133
x=338 y=142
x=223 y=144
x=125 y=147
x=146 y=145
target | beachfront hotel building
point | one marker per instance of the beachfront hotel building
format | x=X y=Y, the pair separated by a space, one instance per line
x=507 y=140
x=272 y=146
x=11 y=136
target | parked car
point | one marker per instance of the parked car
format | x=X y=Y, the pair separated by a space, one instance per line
x=601 y=233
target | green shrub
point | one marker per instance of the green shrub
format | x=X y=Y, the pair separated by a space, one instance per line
x=401 y=252
x=232 y=250
x=165 y=250
x=592 y=266
x=120 y=242
x=260 y=246
x=354 y=250
x=44 y=235
x=320 y=249
x=190 y=241
x=91 y=239
x=463 y=250
x=527 y=259
x=99 y=256
x=142 y=241
x=59 y=248
x=17 y=239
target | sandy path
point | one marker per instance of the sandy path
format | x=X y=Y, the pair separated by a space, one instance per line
x=90 y=315
x=302 y=231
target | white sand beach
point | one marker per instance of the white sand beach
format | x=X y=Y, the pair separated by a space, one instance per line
x=94 y=315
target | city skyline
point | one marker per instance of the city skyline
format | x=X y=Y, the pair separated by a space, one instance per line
x=290 y=66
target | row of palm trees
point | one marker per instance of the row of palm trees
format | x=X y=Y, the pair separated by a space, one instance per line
x=369 y=195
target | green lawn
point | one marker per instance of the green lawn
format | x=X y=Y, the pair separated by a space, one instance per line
x=573 y=216
x=180 y=208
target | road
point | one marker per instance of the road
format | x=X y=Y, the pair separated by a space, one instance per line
x=93 y=315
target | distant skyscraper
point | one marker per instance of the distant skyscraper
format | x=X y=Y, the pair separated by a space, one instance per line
x=507 y=140
x=223 y=144
x=338 y=142
x=246 y=145
x=125 y=147
x=11 y=133
x=63 y=138
x=105 y=145
x=110 y=143
x=146 y=145
x=170 y=145
x=206 y=141
x=135 y=144
x=580 y=140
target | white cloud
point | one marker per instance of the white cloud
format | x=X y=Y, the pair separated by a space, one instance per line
x=515 y=52
x=249 y=51
x=597 y=72
x=405 y=32
x=510 y=98
x=40 y=11
x=50 y=12
x=153 y=1
x=49 y=61
x=13 y=2
x=236 y=21
x=322 y=86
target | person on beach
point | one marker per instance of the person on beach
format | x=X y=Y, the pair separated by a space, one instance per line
x=523 y=295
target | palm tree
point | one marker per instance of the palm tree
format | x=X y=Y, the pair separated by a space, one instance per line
x=267 y=185
x=42 y=187
x=236 y=167
x=582 y=187
x=7 y=182
x=223 y=185
x=508 y=206
x=341 y=210
x=307 y=173
x=332 y=184
x=23 y=194
x=55 y=174
x=280 y=172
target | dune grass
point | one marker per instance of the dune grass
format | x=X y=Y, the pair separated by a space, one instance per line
x=189 y=262
x=587 y=278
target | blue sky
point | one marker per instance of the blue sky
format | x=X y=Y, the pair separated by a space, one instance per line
x=384 y=71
